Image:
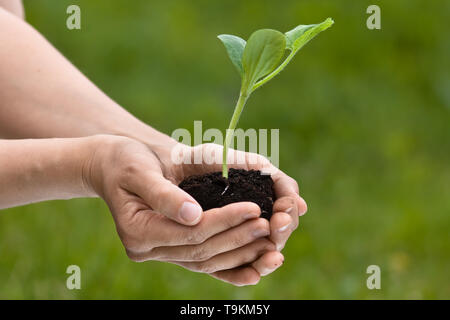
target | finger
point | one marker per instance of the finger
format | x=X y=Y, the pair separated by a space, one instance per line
x=281 y=227
x=285 y=186
x=241 y=276
x=231 y=259
x=208 y=158
x=268 y=262
x=149 y=230
x=166 y=198
x=225 y=241
x=284 y=221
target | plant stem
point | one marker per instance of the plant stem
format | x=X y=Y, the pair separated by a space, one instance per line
x=230 y=131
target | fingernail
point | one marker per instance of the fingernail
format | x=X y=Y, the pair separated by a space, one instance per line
x=289 y=210
x=190 y=212
x=284 y=228
x=260 y=233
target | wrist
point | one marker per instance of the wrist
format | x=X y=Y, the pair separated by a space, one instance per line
x=99 y=154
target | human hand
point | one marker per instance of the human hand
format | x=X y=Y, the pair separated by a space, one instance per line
x=146 y=205
x=180 y=162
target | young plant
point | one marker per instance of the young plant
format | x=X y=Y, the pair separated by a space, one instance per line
x=258 y=61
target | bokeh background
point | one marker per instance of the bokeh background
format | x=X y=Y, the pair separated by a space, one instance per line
x=364 y=127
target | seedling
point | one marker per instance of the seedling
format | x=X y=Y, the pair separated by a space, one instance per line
x=258 y=61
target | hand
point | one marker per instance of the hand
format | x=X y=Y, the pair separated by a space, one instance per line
x=179 y=163
x=147 y=208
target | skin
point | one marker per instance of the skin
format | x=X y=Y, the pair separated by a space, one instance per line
x=44 y=96
x=13 y=6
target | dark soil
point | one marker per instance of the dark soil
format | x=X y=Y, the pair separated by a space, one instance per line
x=211 y=190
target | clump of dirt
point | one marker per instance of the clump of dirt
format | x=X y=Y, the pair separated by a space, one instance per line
x=211 y=190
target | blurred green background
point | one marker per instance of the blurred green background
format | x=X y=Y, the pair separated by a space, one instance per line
x=364 y=127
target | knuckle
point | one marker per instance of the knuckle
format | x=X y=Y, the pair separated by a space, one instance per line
x=128 y=171
x=229 y=221
x=266 y=245
x=269 y=246
x=284 y=203
x=196 y=237
x=237 y=241
x=261 y=224
x=288 y=201
x=253 y=208
x=205 y=267
x=199 y=253
x=157 y=254
x=130 y=168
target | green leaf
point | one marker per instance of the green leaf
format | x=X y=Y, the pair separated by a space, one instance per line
x=295 y=40
x=295 y=33
x=235 y=48
x=258 y=61
x=300 y=35
x=262 y=54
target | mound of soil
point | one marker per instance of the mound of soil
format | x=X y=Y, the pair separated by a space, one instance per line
x=211 y=190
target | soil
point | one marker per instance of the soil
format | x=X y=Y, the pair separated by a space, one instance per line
x=211 y=190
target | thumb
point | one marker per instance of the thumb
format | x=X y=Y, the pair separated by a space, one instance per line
x=166 y=198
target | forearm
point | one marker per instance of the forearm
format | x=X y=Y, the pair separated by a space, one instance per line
x=44 y=169
x=43 y=95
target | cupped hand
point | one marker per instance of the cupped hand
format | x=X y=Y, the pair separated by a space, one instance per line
x=147 y=206
x=183 y=161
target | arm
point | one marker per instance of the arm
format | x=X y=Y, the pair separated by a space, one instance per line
x=127 y=175
x=43 y=95
x=45 y=169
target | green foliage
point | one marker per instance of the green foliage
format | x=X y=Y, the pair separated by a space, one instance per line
x=235 y=48
x=261 y=57
x=300 y=35
x=262 y=54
